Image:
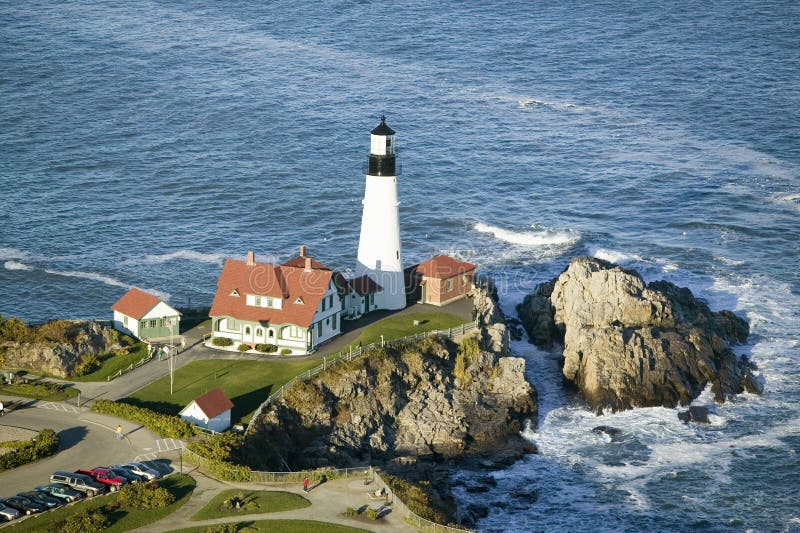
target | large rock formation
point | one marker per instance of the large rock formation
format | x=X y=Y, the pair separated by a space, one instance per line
x=628 y=344
x=433 y=398
x=56 y=348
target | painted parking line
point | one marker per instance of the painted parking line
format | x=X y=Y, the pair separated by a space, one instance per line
x=166 y=445
x=58 y=406
x=146 y=457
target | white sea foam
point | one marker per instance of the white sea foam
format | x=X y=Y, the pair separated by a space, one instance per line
x=727 y=261
x=187 y=255
x=16 y=265
x=614 y=256
x=13 y=253
x=108 y=280
x=544 y=237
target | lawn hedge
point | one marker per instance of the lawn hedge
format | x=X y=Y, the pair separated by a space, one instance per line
x=165 y=425
x=214 y=454
x=44 y=444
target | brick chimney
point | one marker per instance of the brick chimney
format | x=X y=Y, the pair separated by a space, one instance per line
x=302 y=251
x=308 y=264
x=251 y=258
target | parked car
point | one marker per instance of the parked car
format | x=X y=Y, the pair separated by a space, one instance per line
x=141 y=469
x=8 y=513
x=23 y=505
x=127 y=475
x=60 y=491
x=106 y=477
x=41 y=498
x=80 y=482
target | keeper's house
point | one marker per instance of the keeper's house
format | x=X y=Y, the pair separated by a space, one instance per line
x=440 y=280
x=295 y=306
x=144 y=316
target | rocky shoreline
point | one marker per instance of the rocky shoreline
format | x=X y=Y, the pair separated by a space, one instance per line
x=629 y=344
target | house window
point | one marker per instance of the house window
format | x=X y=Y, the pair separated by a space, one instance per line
x=327 y=321
x=270 y=333
x=330 y=301
x=258 y=301
x=333 y=322
x=247 y=330
x=323 y=304
x=124 y=320
x=319 y=329
x=153 y=323
x=232 y=325
x=449 y=284
x=259 y=332
x=269 y=302
x=143 y=324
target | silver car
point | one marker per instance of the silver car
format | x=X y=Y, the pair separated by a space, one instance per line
x=8 y=513
x=140 y=470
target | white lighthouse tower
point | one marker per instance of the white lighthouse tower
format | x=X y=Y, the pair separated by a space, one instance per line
x=379 y=253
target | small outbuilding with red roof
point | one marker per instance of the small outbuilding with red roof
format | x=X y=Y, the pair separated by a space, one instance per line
x=144 y=316
x=211 y=411
x=440 y=280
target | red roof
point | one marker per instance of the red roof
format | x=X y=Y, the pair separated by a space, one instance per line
x=135 y=303
x=364 y=285
x=443 y=267
x=213 y=403
x=300 y=262
x=263 y=279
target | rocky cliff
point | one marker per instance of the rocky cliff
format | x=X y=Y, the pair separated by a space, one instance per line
x=434 y=398
x=628 y=344
x=56 y=348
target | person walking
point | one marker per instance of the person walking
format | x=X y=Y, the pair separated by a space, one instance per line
x=305 y=484
x=119 y=432
x=2 y=409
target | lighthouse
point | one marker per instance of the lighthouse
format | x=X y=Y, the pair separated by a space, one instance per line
x=379 y=253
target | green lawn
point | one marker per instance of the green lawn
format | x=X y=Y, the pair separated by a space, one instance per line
x=284 y=526
x=394 y=327
x=121 y=519
x=111 y=364
x=255 y=502
x=41 y=390
x=246 y=383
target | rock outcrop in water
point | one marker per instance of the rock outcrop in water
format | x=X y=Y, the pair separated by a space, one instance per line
x=433 y=398
x=628 y=344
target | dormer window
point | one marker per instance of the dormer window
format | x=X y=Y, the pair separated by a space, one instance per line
x=234 y=292
x=299 y=301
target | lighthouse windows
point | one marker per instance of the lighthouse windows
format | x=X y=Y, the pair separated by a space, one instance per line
x=389 y=145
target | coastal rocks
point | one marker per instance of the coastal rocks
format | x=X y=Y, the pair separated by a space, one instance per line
x=490 y=318
x=628 y=344
x=433 y=398
x=607 y=430
x=60 y=358
x=696 y=413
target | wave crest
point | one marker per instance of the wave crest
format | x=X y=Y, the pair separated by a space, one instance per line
x=188 y=255
x=545 y=237
x=16 y=265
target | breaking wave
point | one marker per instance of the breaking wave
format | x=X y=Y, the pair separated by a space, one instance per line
x=544 y=237
x=16 y=265
x=187 y=255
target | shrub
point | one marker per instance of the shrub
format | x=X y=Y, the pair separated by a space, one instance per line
x=470 y=347
x=266 y=348
x=84 y=522
x=42 y=445
x=372 y=514
x=223 y=528
x=215 y=456
x=221 y=341
x=243 y=347
x=145 y=496
x=350 y=512
x=164 y=425
x=14 y=330
x=286 y=351
x=89 y=363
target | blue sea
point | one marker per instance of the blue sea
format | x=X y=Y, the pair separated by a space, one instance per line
x=143 y=142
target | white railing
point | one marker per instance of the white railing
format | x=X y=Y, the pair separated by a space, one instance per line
x=349 y=355
x=132 y=366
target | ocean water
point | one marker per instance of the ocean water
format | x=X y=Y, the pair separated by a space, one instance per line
x=143 y=142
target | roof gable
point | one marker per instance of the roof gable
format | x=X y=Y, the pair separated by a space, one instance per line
x=135 y=303
x=443 y=267
x=213 y=403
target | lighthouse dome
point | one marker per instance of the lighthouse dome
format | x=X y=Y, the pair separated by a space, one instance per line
x=382 y=128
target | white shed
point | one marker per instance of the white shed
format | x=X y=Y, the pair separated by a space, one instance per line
x=145 y=317
x=212 y=411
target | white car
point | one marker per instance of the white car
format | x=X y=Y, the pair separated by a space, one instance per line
x=140 y=470
x=8 y=513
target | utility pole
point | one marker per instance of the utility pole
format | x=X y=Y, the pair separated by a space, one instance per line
x=171 y=355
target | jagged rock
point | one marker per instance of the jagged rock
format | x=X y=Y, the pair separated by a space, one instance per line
x=627 y=344
x=696 y=413
x=608 y=430
x=491 y=320
x=61 y=358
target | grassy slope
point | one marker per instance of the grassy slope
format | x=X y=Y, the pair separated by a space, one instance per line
x=122 y=519
x=246 y=383
x=34 y=390
x=285 y=526
x=256 y=501
x=111 y=363
x=394 y=327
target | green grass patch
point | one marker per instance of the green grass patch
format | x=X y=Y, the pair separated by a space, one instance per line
x=40 y=390
x=253 y=502
x=111 y=363
x=394 y=327
x=120 y=518
x=282 y=526
x=246 y=383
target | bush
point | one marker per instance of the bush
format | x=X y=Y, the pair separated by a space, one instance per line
x=89 y=363
x=145 y=496
x=221 y=341
x=350 y=512
x=286 y=351
x=14 y=330
x=164 y=425
x=215 y=456
x=243 y=347
x=372 y=514
x=266 y=348
x=85 y=522
x=42 y=445
x=223 y=528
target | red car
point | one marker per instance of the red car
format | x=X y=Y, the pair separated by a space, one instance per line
x=104 y=476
